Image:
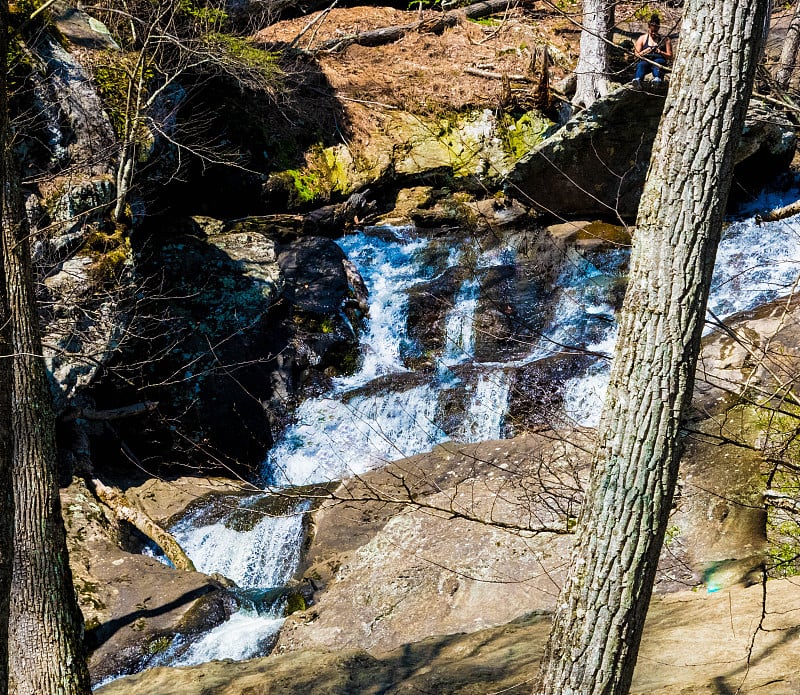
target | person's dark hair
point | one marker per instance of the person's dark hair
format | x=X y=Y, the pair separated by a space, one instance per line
x=655 y=21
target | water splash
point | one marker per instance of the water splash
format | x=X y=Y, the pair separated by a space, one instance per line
x=265 y=555
x=755 y=263
x=244 y=635
x=333 y=438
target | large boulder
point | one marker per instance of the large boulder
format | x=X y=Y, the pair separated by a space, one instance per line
x=595 y=165
x=692 y=643
x=132 y=604
x=230 y=320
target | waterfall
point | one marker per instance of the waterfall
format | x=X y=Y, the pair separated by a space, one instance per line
x=385 y=411
x=756 y=263
x=487 y=407
x=388 y=269
x=459 y=340
x=263 y=556
x=334 y=438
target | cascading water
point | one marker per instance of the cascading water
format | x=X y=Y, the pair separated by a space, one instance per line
x=756 y=263
x=386 y=411
x=367 y=419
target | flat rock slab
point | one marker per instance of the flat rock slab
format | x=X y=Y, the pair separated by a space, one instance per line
x=693 y=643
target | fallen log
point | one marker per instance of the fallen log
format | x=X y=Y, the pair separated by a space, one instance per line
x=115 y=500
x=780 y=213
x=110 y=414
x=490 y=75
x=384 y=35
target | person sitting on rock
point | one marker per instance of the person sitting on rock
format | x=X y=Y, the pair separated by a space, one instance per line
x=653 y=52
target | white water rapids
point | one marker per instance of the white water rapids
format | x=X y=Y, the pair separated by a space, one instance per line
x=385 y=411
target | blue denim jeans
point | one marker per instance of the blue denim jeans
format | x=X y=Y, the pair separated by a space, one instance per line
x=644 y=68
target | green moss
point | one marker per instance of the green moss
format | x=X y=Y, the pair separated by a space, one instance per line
x=295 y=603
x=520 y=135
x=109 y=266
x=305 y=185
x=114 y=74
x=159 y=645
x=87 y=594
x=487 y=21
x=246 y=54
x=783 y=529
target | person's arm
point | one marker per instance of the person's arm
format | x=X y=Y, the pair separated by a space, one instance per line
x=667 y=52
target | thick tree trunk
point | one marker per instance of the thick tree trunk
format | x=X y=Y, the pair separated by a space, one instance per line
x=600 y=616
x=6 y=497
x=46 y=654
x=791 y=45
x=592 y=70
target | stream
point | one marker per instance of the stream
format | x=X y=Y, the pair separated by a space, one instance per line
x=389 y=409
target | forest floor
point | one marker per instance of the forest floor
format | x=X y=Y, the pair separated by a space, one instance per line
x=428 y=74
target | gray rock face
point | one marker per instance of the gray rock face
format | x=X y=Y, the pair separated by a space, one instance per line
x=596 y=164
x=82 y=330
x=230 y=325
x=132 y=604
x=68 y=97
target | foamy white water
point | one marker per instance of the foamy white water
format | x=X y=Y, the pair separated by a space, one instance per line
x=388 y=270
x=244 y=635
x=487 y=407
x=343 y=434
x=266 y=555
x=755 y=264
x=459 y=334
x=333 y=438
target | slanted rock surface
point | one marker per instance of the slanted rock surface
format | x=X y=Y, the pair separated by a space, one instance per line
x=132 y=604
x=693 y=643
x=595 y=165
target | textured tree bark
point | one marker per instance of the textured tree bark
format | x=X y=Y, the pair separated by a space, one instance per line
x=592 y=70
x=600 y=615
x=46 y=654
x=791 y=45
x=6 y=497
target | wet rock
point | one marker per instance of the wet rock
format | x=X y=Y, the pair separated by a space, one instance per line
x=428 y=306
x=200 y=343
x=315 y=279
x=537 y=397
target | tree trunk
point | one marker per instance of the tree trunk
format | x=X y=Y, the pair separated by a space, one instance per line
x=601 y=611
x=791 y=44
x=592 y=70
x=6 y=497
x=46 y=654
